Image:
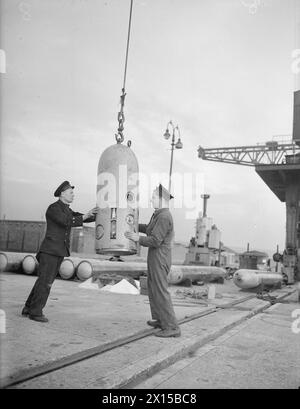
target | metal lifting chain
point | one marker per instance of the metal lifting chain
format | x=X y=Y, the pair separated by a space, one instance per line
x=121 y=117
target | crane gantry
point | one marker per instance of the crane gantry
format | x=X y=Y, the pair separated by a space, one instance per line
x=278 y=164
x=270 y=153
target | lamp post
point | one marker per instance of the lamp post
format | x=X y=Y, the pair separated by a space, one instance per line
x=177 y=145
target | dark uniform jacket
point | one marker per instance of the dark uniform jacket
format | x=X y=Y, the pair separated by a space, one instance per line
x=160 y=233
x=60 y=219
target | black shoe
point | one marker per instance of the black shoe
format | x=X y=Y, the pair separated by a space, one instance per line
x=154 y=324
x=25 y=312
x=167 y=333
x=39 y=318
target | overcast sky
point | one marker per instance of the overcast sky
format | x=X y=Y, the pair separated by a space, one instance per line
x=220 y=69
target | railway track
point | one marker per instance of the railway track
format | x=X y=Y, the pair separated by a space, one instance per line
x=73 y=359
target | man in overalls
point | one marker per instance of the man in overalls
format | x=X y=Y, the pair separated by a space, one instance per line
x=160 y=233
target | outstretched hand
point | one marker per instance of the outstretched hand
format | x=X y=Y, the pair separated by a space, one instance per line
x=91 y=213
x=132 y=236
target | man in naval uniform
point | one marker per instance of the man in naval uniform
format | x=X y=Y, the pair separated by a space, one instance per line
x=55 y=246
x=160 y=233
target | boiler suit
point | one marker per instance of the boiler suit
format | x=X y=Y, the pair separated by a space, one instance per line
x=159 y=233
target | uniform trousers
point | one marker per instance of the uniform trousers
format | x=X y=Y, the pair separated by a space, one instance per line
x=47 y=271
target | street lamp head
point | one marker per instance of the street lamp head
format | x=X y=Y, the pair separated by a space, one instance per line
x=179 y=144
x=167 y=134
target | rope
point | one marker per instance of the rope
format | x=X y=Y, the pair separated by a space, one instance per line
x=121 y=116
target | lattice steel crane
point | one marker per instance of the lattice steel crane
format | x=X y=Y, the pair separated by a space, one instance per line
x=278 y=164
x=270 y=153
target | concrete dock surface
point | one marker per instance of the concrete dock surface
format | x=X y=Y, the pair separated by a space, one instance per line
x=83 y=320
x=260 y=353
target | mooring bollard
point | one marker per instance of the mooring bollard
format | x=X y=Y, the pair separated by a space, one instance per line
x=211 y=295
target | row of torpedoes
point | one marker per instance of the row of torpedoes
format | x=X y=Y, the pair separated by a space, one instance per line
x=92 y=269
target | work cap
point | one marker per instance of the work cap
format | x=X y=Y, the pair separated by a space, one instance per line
x=64 y=186
x=163 y=192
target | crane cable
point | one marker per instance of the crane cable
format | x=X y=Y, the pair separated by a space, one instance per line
x=296 y=40
x=121 y=117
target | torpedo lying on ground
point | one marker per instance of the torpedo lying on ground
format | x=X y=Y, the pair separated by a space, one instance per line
x=179 y=274
x=253 y=278
x=11 y=261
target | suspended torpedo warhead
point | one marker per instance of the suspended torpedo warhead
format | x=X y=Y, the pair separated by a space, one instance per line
x=117 y=198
